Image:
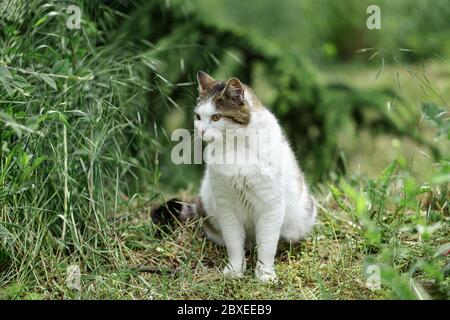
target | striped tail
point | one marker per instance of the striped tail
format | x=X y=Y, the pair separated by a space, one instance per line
x=175 y=211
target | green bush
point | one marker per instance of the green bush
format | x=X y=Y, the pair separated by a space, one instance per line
x=72 y=106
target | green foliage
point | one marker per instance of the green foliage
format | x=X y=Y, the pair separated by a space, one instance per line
x=389 y=212
x=311 y=112
x=405 y=222
x=71 y=109
x=85 y=120
x=328 y=30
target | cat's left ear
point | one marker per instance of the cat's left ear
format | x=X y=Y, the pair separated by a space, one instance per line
x=205 y=81
x=234 y=90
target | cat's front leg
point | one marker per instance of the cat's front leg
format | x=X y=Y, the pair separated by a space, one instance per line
x=233 y=233
x=268 y=228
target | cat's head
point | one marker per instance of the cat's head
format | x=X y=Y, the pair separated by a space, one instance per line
x=220 y=106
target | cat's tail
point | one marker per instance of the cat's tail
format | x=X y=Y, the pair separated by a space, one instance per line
x=175 y=211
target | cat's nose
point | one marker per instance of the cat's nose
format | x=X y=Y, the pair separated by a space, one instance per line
x=200 y=132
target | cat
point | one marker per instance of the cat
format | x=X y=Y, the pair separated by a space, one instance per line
x=248 y=202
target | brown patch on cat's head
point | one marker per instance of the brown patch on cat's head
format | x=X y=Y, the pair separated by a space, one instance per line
x=227 y=97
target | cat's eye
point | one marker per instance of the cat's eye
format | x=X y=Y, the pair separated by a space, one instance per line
x=197 y=116
x=215 y=117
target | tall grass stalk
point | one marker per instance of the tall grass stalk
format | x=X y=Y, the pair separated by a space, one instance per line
x=70 y=109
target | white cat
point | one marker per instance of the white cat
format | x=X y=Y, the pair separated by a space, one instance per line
x=255 y=201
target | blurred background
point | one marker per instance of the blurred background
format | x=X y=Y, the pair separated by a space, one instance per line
x=86 y=111
x=350 y=99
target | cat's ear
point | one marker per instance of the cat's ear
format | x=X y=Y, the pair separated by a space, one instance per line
x=234 y=90
x=205 y=81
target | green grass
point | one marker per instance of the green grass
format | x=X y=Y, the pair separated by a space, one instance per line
x=70 y=106
x=386 y=225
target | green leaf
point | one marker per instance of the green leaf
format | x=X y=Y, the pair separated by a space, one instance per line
x=40 y=21
x=48 y=80
x=61 y=67
x=4 y=73
x=38 y=161
x=337 y=196
x=20 y=82
x=387 y=174
x=24 y=160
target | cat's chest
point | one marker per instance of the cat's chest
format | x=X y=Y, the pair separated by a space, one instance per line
x=240 y=189
x=241 y=185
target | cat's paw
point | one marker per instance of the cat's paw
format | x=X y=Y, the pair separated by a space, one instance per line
x=234 y=272
x=265 y=273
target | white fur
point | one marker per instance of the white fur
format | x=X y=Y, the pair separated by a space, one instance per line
x=259 y=202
